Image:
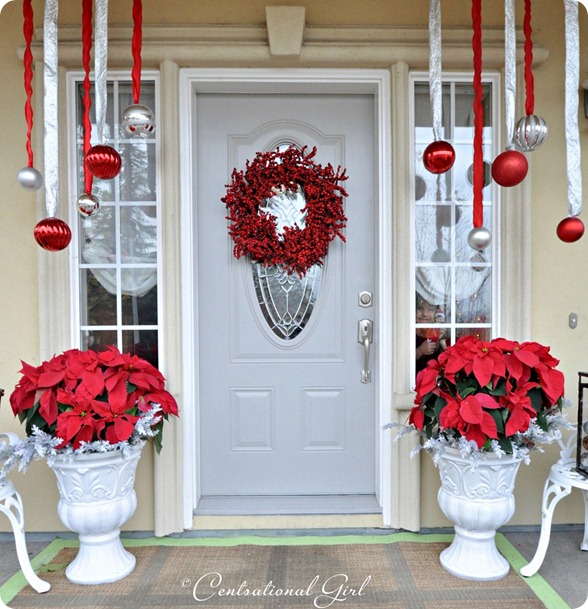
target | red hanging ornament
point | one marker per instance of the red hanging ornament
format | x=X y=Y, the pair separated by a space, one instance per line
x=439 y=156
x=52 y=234
x=570 y=229
x=103 y=161
x=510 y=168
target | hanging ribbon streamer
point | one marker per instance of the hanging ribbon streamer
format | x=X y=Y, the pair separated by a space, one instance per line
x=102 y=161
x=572 y=86
x=438 y=156
x=530 y=130
x=51 y=142
x=529 y=80
x=570 y=229
x=86 y=101
x=510 y=74
x=28 y=177
x=51 y=233
x=435 y=82
x=478 y=171
x=136 y=48
x=101 y=65
x=137 y=119
x=27 y=10
x=510 y=167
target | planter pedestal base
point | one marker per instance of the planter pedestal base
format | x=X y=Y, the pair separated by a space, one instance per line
x=477 y=551
x=101 y=559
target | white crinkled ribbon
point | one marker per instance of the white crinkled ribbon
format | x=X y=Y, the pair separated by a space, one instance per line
x=101 y=64
x=510 y=74
x=51 y=139
x=572 y=85
x=435 y=83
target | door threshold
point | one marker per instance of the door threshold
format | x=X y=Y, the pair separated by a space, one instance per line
x=245 y=505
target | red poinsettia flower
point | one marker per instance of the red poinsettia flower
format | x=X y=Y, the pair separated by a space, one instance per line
x=486 y=391
x=83 y=396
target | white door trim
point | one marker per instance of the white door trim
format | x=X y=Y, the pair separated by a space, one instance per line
x=206 y=80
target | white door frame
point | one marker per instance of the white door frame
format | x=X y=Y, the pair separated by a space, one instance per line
x=210 y=80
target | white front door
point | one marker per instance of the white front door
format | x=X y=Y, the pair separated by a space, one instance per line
x=285 y=422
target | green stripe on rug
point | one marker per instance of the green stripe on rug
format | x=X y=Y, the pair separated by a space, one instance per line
x=540 y=588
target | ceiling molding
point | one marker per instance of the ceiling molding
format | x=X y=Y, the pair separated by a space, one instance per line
x=247 y=46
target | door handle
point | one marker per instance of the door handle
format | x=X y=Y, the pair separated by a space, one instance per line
x=365 y=335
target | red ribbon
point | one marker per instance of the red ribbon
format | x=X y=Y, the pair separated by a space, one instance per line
x=529 y=82
x=478 y=177
x=28 y=29
x=87 y=102
x=136 y=44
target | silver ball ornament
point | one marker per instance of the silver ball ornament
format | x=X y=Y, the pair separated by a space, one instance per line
x=138 y=119
x=88 y=205
x=530 y=132
x=479 y=238
x=30 y=178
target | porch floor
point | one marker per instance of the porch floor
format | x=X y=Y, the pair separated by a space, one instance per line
x=564 y=568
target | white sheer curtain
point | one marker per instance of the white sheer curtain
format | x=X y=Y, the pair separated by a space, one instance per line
x=138 y=239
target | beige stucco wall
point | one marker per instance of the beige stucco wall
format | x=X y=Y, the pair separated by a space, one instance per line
x=557 y=286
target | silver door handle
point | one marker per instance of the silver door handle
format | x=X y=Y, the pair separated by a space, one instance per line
x=365 y=335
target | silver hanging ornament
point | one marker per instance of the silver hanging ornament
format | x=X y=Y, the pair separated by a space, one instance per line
x=530 y=133
x=88 y=205
x=138 y=119
x=479 y=238
x=30 y=178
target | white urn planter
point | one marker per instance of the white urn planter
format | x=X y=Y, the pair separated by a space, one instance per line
x=478 y=499
x=96 y=498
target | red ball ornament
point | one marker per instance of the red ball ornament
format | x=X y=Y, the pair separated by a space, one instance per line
x=510 y=168
x=439 y=157
x=104 y=162
x=570 y=229
x=52 y=234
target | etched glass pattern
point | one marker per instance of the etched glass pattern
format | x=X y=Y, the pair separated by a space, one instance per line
x=286 y=301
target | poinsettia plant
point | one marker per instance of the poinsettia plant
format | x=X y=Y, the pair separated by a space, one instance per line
x=499 y=396
x=90 y=401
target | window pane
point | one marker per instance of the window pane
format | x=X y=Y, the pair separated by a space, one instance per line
x=138 y=228
x=137 y=176
x=139 y=308
x=142 y=343
x=473 y=297
x=484 y=334
x=98 y=340
x=100 y=297
x=98 y=238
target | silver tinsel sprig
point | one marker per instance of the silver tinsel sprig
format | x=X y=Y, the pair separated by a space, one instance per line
x=41 y=445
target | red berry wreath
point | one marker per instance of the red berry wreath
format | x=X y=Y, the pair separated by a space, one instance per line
x=254 y=230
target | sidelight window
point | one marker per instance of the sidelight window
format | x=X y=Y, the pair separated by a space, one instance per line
x=454 y=285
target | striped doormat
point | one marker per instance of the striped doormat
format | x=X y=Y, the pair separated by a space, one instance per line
x=395 y=571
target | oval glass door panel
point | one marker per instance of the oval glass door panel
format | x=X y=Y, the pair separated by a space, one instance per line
x=286 y=300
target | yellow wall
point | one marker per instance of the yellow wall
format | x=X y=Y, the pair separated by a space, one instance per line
x=558 y=282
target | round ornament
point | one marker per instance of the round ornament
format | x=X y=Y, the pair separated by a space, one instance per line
x=440 y=255
x=138 y=119
x=52 y=234
x=30 y=178
x=103 y=162
x=530 y=132
x=570 y=229
x=292 y=173
x=510 y=168
x=438 y=157
x=88 y=205
x=479 y=238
